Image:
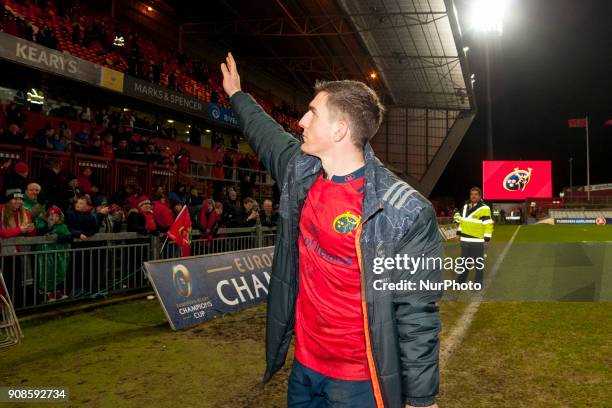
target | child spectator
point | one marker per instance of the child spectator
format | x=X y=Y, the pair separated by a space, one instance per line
x=81 y=221
x=52 y=267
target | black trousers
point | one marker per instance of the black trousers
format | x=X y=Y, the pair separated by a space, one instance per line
x=472 y=250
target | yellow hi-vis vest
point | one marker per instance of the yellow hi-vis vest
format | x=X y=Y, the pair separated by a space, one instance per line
x=475 y=223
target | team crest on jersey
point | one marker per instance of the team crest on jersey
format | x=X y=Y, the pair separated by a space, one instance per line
x=517 y=180
x=346 y=222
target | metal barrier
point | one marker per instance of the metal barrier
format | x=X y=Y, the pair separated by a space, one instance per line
x=36 y=268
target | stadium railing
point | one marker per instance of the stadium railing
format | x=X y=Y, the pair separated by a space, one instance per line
x=105 y=263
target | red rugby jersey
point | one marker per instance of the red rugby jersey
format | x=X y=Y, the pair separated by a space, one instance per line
x=329 y=328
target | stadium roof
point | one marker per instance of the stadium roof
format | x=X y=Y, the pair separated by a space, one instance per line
x=413 y=46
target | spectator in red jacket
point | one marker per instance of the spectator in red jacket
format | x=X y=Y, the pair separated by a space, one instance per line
x=162 y=213
x=182 y=161
x=15 y=220
x=107 y=146
x=85 y=183
x=208 y=218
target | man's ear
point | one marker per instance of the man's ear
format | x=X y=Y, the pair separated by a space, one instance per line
x=341 y=130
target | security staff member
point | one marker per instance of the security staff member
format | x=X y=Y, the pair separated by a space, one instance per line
x=475 y=231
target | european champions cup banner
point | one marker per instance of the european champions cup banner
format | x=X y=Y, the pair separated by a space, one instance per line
x=199 y=288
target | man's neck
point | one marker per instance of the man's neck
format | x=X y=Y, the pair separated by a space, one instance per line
x=342 y=163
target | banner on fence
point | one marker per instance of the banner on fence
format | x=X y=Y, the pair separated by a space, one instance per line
x=199 y=288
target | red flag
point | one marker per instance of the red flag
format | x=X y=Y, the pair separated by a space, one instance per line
x=577 y=123
x=181 y=229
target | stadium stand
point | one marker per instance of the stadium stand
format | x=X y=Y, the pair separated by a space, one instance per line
x=95 y=37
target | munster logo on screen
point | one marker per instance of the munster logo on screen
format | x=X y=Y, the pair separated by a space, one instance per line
x=516 y=180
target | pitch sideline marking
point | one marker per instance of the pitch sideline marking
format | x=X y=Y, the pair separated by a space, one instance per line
x=461 y=327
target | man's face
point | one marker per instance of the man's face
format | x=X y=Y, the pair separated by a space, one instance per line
x=248 y=205
x=33 y=191
x=318 y=125
x=474 y=196
x=232 y=195
x=267 y=207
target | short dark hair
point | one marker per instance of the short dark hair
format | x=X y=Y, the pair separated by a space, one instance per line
x=476 y=189
x=359 y=103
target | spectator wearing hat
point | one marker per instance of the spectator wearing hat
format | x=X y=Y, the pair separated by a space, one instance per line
x=14 y=219
x=52 y=267
x=18 y=178
x=141 y=219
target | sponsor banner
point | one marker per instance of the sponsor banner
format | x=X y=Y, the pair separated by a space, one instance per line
x=598 y=221
x=111 y=79
x=48 y=60
x=164 y=97
x=221 y=114
x=599 y=187
x=199 y=288
x=516 y=180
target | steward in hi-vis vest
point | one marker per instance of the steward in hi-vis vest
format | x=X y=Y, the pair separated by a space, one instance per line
x=475 y=231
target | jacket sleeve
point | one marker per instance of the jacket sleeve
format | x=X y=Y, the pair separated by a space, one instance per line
x=273 y=145
x=487 y=221
x=417 y=315
x=10 y=233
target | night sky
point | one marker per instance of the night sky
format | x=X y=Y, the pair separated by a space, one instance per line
x=553 y=62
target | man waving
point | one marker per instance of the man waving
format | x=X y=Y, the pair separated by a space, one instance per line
x=340 y=210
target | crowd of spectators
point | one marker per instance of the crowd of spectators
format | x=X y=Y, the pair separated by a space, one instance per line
x=74 y=209
x=69 y=26
x=110 y=134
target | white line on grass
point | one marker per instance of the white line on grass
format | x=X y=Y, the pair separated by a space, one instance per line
x=461 y=327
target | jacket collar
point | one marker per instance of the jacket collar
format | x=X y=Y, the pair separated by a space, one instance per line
x=307 y=166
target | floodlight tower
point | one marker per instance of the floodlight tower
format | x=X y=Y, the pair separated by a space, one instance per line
x=487 y=18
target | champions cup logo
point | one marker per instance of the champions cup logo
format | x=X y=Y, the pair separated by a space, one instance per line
x=181 y=280
x=517 y=180
x=346 y=222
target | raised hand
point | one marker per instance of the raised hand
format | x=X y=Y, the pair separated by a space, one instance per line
x=231 y=79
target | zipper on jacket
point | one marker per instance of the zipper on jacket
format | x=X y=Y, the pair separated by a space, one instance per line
x=364 y=306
